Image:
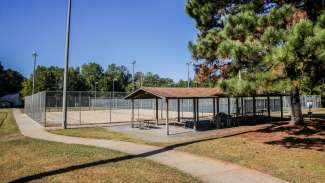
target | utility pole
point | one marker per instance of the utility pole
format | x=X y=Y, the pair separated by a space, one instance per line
x=114 y=91
x=188 y=73
x=35 y=55
x=66 y=67
x=94 y=103
x=188 y=81
x=133 y=75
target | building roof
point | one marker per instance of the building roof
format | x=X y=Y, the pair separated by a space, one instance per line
x=159 y=92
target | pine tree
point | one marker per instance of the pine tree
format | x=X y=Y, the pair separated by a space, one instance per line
x=269 y=51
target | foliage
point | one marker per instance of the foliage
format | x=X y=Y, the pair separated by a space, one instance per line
x=278 y=49
x=10 y=81
x=85 y=78
x=281 y=48
x=92 y=73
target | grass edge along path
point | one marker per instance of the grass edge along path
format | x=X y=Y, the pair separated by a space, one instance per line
x=33 y=159
x=294 y=165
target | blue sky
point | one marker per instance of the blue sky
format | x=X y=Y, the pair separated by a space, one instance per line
x=155 y=33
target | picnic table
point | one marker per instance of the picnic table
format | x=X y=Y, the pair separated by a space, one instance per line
x=145 y=123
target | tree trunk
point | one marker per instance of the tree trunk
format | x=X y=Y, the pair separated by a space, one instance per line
x=296 y=113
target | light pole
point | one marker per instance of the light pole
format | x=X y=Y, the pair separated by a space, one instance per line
x=188 y=81
x=66 y=67
x=94 y=103
x=96 y=83
x=133 y=75
x=188 y=73
x=114 y=91
x=35 y=55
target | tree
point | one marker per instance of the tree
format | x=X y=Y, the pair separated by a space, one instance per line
x=269 y=49
x=10 y=81
x=120 y=74
x=76 y=80
x=92 y=72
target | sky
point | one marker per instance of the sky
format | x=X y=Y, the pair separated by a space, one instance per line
x=155 y=33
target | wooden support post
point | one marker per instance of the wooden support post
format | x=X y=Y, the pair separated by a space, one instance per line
x=161 y=109
x=237 y=107
x=242 y=105
x=218 y=105
x=167 y=117
x=194 y=114
x=254 y=106
x=268 y=107
x=178 y=111
x=132 y=115
x=237 y=111
x=197 y=110
x=157 y=116
x=228 y=102
x=214 y=110
x=281 y=107
x=197 y=114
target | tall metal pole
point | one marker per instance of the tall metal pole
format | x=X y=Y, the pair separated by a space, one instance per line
x=188 y=74
x=96 y=90
x=188 y=82
x=34 y=55
x=66 y=66
x=133 y=75
x=114 y=92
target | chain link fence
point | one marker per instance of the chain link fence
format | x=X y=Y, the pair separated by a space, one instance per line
x=90 y=107
x=35 y=107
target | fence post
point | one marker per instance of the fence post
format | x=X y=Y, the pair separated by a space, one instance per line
x=45 y=103
x=80 y=107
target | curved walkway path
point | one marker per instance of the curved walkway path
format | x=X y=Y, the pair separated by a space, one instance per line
x=206 y=169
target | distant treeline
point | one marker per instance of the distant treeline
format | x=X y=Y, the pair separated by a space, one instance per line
x=10 y=81
x=91 y=75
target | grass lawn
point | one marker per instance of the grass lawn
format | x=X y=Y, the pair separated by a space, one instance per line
x=29 y=159
x=295 y=163
x=102 y=133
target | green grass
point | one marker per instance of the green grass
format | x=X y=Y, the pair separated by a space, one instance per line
x=8 y=129
x=30 y=157
x=101 y=133
x=294 y=165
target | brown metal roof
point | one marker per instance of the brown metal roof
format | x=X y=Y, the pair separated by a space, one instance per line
x=153 y=92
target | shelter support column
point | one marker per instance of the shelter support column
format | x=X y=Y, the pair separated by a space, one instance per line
x=281 y=107
x=157 y=116
x=254 y=106
x=218 y=105
x=194 y=114
x=132 y=115
x=167 y=117
x=242 y=105
x=268 y=107
x=228 y=102
x=214 y=109
x=237 y=107
x=197 y=110
x=178 y=111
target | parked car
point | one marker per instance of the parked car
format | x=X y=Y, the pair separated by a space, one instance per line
x=5 y=104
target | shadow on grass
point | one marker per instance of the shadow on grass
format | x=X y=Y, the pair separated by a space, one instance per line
x=289 y=142
x=302 y=143
x=311 y=135
x=115 y=160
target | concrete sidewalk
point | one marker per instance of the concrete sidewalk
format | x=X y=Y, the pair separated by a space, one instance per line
x=206 y=169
